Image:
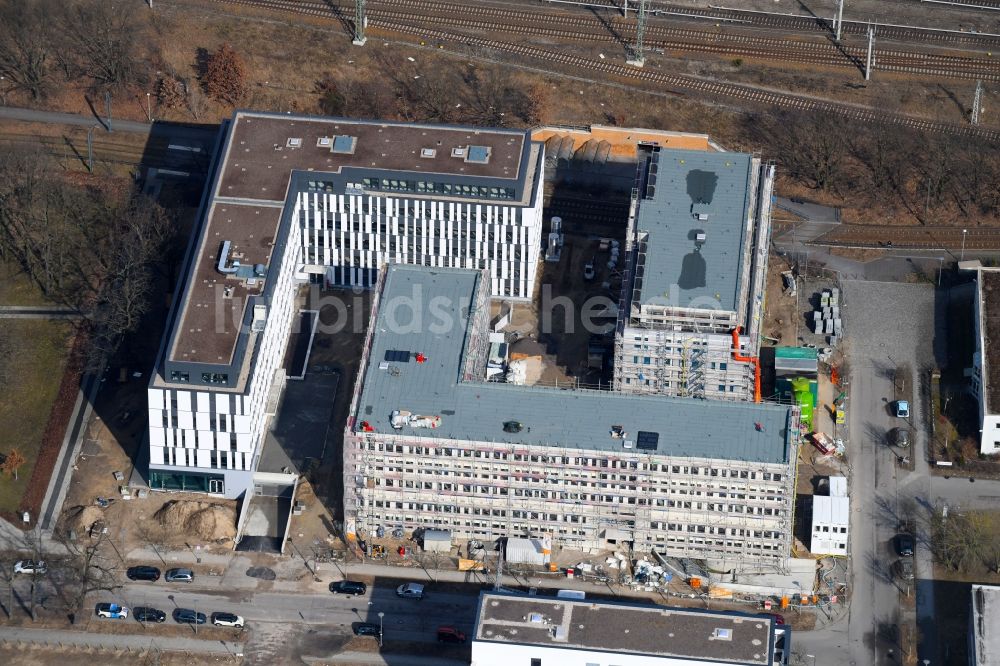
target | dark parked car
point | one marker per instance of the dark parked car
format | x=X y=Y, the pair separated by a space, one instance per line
x=366 y=629
x=901 y=437
x=450 y=635
x=778 y=618
x=179 y=576
x=188 y=616
x=904 y=543
x=348 y=587
x=903 y=569
x=147 y=614
x=143 y=573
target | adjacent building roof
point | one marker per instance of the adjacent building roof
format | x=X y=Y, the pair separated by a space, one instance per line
x=989 y=289
x=984 y=626
x=264 y=148
x=426 y=311
x=625 y=628
x=682 y=185
x=267 y=157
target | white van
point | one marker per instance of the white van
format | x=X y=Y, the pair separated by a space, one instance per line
x=571 y=594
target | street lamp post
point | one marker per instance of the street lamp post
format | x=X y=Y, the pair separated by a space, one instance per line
x=964 y=233
x=380 y=616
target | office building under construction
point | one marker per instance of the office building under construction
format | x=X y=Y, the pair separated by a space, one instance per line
x=431 y=443
x=696 y=263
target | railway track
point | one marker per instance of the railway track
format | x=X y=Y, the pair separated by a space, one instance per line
x=675 y=82
x=669 y=39
x=912 y=238
x=106 y=151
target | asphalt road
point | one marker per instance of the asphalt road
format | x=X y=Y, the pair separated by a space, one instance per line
x=405 y=619
x=886 y=325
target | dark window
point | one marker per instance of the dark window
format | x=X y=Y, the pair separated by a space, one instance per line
x=536 y=662
x=214 y=378
x=176 y=376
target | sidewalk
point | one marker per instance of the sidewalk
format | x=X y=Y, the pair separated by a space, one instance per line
x=64 y=638
x=380 y=659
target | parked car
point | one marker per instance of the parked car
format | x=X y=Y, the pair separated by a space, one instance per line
x=348 y=587
x=30 y=567
x=450 y=635
x=143 y=573
x=147 y=614
x=367 y=629
x=188 y=616
x=903 y=409
x=179 y=576
x=901 y=437
x=410 y=591
x=112 y=611
x=227 y=620
x=778 y=618
x=903 y=569
x=588 y=271
x=903 y=544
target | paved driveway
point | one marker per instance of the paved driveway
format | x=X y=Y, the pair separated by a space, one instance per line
x=886 y=325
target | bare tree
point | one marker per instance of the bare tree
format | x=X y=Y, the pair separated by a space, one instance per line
x=960 y=539
x=331 y=98
x=90 y=566
x=140 y=230
x=27 y=45
x=106 y=39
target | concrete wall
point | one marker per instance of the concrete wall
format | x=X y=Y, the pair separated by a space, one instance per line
x=505 y=654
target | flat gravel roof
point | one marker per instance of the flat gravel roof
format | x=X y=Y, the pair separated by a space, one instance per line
x=625 y=628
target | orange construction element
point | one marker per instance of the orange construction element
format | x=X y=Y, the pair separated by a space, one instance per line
x=747 y=359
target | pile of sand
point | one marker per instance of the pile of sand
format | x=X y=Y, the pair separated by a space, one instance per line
x=81 y=518
x=198 y=520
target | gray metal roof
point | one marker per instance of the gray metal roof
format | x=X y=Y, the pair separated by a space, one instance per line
x=426 y=311
x=685 y=183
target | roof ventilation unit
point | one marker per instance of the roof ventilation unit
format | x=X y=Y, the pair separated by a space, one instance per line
x=224 y=258
x=428 y=152
x=344 y=145
x=478 y=154
x=294 y=143
x=458 y=152
x=324 y=142
x=259 y=318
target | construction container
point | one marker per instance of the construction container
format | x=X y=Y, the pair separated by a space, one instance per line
x=528 y=551
x=437 y=541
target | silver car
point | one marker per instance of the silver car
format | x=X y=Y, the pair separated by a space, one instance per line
x=179 y=576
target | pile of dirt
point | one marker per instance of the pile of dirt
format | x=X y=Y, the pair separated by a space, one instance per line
x=81 y=518
x=200 y=520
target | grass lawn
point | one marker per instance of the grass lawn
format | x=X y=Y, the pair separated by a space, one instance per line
x=35 y=369
x=16 y=288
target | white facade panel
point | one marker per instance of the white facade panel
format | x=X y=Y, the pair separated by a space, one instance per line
x=154 y=398
x=185 y=420
x=183 y=400
x=156 y=455
x=156 y=435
